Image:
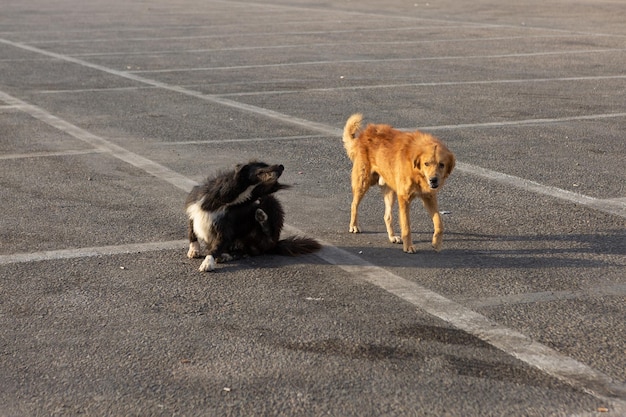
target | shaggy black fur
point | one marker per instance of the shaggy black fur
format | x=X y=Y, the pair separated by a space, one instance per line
x=235 y=214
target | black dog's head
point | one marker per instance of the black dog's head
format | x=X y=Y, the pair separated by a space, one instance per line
x=257 y=179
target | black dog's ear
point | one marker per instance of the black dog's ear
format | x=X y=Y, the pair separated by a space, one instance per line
x=239 y=169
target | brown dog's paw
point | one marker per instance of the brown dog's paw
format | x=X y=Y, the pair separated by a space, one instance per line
x=395 y=239
x=437 y=243
x=409 y=249
x=355 y=229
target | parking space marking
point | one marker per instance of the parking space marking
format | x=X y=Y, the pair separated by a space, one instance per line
x=429 y=19
x=509 y=341
x=432 y=84
x=70 y=152
x=308 y=45
x=612 y=207
x=247 y=34
x=263 y=139
x=610 y=290
x=53 y=255
x=370 y=60
x=615 y=206
x=524 y=122
x=94 y=90
x=101 y=144
x=161 y=29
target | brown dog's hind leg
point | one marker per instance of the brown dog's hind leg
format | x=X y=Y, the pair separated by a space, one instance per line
x=389 y=196
x=361 y=179
x=404 y=208
x=430 y=203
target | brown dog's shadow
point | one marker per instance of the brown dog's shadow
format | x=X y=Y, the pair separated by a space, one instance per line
x=487 y=251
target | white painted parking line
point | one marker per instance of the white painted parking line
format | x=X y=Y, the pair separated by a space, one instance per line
x=611 y=290
x=381 y=60
x=54 y=255
x=94 y=90
x=510 y=341
x=525 y=122
x=310 y=45
x=101 y=144
x=609 y=206
x=220 y=27
x=434 y=84
x=51 y=153
x=612 y=208
x=247 y=34
x=181 y=90
x=451 y=22
x=209 y=142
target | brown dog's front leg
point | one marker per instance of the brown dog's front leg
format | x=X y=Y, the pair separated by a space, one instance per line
x=405 y=223
x=430 y=203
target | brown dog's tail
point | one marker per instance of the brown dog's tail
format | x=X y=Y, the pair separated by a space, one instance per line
x=296 y=245
x=353 y=125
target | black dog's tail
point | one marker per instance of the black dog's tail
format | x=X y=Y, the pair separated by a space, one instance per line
x=296 y=245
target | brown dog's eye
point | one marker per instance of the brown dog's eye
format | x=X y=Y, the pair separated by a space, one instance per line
x=441 y=165
x=427 y=164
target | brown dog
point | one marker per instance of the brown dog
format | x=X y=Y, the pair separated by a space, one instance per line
x=404 y=164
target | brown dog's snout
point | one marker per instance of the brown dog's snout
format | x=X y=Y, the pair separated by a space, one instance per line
x=433 y=182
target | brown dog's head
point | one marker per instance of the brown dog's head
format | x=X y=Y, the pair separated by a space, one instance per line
x=435 y=163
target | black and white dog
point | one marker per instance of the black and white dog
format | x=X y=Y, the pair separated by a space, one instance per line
x=235 y=214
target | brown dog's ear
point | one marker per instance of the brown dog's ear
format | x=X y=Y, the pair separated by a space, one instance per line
x=450 y=165
x=417 y=160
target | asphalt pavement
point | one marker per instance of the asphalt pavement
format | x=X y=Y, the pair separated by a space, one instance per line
x=111 y=111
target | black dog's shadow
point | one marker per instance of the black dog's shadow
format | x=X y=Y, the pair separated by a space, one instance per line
x=464 y=251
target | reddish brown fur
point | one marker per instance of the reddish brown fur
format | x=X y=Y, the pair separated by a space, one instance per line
x=406 y=165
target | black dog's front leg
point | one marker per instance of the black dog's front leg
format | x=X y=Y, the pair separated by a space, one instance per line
x=194 y=246
x=217 y=252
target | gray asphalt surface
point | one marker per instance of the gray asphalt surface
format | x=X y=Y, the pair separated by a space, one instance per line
x=111 y=111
